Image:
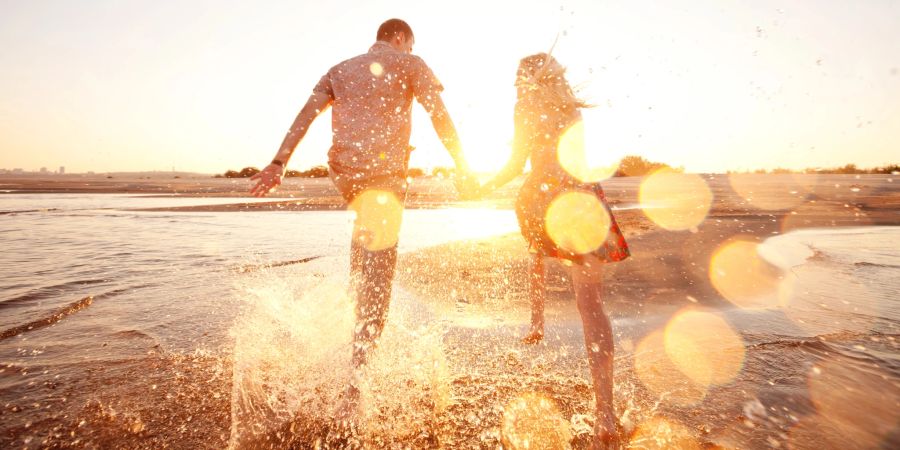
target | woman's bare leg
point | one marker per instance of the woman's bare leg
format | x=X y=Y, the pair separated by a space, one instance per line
x=598 y=340
x=536 y=293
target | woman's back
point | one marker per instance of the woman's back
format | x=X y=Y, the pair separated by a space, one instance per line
x=547 y=130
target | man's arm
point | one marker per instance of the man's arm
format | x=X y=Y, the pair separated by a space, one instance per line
x=446 y=131
x=443 y=126
x=270 y=176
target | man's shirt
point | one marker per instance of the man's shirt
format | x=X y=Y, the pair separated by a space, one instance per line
x=372 y=98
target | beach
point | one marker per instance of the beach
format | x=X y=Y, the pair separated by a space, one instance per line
x=205 y=331
x=668 y=275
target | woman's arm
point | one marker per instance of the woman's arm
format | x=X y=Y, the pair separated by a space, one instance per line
x=521 y=149
x=511 y=170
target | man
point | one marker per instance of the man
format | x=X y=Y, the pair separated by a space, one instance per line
x=371 y=95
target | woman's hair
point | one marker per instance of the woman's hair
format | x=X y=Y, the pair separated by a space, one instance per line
x=540 y=77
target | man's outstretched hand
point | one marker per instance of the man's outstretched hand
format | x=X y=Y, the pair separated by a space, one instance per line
x=267 y=180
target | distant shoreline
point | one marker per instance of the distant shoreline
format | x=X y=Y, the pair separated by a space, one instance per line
x=876 y=197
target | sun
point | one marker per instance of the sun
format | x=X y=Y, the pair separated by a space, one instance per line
x=487 y=146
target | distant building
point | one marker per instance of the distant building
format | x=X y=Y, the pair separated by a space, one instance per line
x=62 y=170
x=18 y=170
x=43 y=170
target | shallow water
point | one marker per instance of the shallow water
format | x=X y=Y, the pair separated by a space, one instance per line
x=181 y=348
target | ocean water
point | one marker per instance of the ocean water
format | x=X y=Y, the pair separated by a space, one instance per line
x=190 y=341
x=828 y=355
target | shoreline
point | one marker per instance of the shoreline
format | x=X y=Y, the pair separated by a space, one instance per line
x=474 y=292
x=824 y=197
x=480 y=288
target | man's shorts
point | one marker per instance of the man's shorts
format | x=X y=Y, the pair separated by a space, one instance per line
x=350 y=186
x=378 y=203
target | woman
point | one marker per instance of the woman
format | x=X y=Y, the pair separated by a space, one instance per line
x=552 y=207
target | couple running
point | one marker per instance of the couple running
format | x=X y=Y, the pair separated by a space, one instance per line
x=371 y=97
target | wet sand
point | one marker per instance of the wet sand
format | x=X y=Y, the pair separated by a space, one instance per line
x=295 y=194
x=668 y=272
x=477 y=288
x=493 y=270
x=827 y=200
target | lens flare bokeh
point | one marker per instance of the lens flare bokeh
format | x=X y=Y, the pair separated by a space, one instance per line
x=856 y=406
x=573 y=157
x=788 y=190
x=704 y=347
x=378 y=217
x=744 y=278
x=376 y=69
x=577 y=222
x=533 y=421
x=659 y=374
x=874 y=395
x=675 y=201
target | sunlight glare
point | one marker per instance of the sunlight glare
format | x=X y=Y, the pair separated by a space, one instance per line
x=490 y=147
x=572 y=156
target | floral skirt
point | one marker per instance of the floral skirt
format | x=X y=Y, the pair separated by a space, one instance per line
x=535 y=200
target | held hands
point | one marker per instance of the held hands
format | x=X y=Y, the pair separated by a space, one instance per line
x=267 y=180
x=467 y=185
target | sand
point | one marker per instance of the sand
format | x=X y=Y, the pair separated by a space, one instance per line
x=662 y=261
x=478 y=287
x=295 y=194
x=667 y=273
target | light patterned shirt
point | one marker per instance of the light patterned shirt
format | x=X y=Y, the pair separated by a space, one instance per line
x=372 y=98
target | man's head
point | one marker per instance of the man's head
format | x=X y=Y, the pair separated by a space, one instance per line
x=398 y=34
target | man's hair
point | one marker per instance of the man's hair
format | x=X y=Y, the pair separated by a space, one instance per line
x=390 y=28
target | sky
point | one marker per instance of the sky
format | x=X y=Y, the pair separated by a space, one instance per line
x=206 y=86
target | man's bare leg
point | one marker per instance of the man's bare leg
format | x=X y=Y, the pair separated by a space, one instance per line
x=373 y=296
x=373 y=299
x=349 y=403
x=536 y=294
x=371 y=277
x=598 y=340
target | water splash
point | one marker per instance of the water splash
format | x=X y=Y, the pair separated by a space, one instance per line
x=291 y=351
x=292 y=366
